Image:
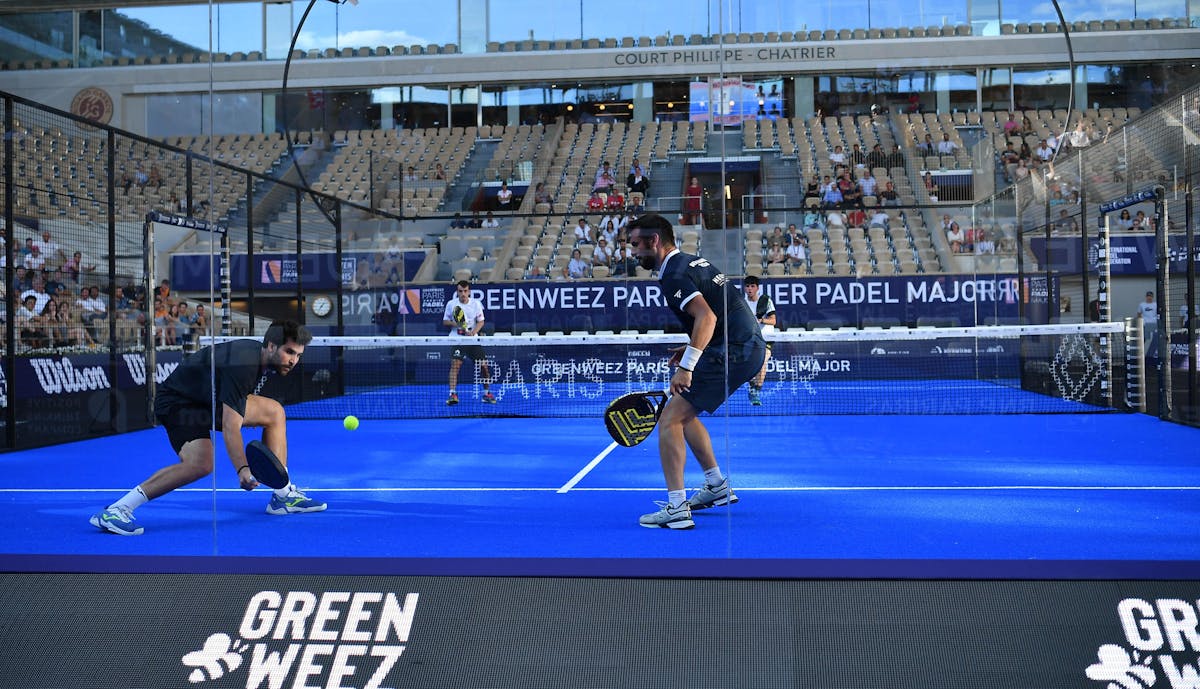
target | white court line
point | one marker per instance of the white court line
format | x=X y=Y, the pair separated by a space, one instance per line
x=768 y=489
x=590 y=465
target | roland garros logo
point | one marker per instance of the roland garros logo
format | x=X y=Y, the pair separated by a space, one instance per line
x=93 y=103
x=302 y=639
x=1162 y=642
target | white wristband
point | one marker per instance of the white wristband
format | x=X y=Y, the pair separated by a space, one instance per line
x=690 y=357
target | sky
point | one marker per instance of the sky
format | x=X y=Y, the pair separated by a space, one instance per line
x=239 y=26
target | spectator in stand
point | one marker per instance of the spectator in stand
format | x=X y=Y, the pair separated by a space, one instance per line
x=490 y=221
x=602 y=256
x=984 y=244
x=1124 y=221
x=616 y=201
x=1009 y=158
x=35 y=261
x=797 y=255
x=956 y=238
x=69 y=328
x=75 y=268
x=140 y=178
x=1012 y=126
x=832 y=198
x=624 y=262
x=636 y=166
x=835 y=218
x=410 y=175
x=583 y=232
x=867 y=184
x=927 y=147
x=837 y=157
x=1065 y=223
x=1026 y=125
x=1079 y=138
x=856 y=217
x=50 y=249
x=475 y=222
x=57 y=282
x=638 y=185
x=577 y=268
x=540 y=195
x=22 y=279
x=857 y=158
x=812 y=190
x=1044 y=151
x=32 y=327
x=458 y=222
x=946 y=146
x=889 y=197
x=880 y=219
x=606 y=180
x=607 y=231
x=896 y=158
x=595 y=204
x=877 y=158
x=813 y=219
x=504 y=197
x=93 y=310
x=776 y=254
x=199 y=325
x=931 y=187
x=155 y=179
x=535 y=273
x=439 y=173
x=693 y=197
x=776 y=238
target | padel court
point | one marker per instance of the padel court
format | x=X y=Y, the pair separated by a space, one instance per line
x=973 y=495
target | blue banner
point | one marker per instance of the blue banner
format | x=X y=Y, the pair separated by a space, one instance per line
x=1128 y=254
x=639 y=304
x=280 y=271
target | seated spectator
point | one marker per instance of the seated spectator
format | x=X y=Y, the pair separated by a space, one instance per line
x=37 y=289
x=490 y=221
x=602 y=256
x=813 y=220
x=410 y=175
x=155 y=180
x=931 y=187
x=184 y=329
x=50 y=249
x=1012 y=126
x=69 y=330
x=624 y=262
x=776 y=237
x=458 y=222
x=835 y=218
x=607 y=231
x=583 y=232
x=896 y=157
x=1125 y=220
x=475 y=222
x=880 y=218
x=616 y=201
x=199 y=325
x=1065 y=223
x=540 y=195
x=776 y=254
x=140 y=178
x=867 y=184
x=984 y=244
x=637 y=183
x=832 y=197
x=946 y=146
x=504 y=197
x=856 y=157
x=57 y=283
x=31 y=326
x=926 y=147
x=34 y=260
x=606 y=180
x=889 y=197
x=577 y=268
x=837 y=157
x=535 y=273
x=856 y=217
x=595 y=204
x=93 y=310
x=877 y=158
x=439 y=174
x=796 y=253
x=813 y=189
x=956 y=237
x=75 y=268
x=1044 y=152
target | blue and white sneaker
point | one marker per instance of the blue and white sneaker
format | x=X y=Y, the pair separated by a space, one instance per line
x=295 y=503
x=668 y=517
x=116 y=520
x=713 y=496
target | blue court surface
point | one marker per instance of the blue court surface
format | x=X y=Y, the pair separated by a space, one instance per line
x=976 y=496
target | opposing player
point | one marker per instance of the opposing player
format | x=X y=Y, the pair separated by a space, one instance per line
x=464 y=316
x=184 y=406
x=764 y=311
x=725 y=350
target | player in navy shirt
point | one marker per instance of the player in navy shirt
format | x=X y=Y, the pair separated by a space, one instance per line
x=725 y=350
x=184 y=406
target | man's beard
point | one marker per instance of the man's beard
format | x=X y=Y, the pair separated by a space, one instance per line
x=649 y=261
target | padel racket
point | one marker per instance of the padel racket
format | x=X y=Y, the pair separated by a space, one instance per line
x=631 y=418
x=460 y=317
x=265 y=466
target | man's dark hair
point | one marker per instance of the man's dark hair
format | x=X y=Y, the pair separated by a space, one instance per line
x=281 y=332
x=463 y=283
x=750 y=280
x=655 y=223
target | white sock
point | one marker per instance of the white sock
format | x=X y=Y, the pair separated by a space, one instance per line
x=286 y=490
x=675 y=498
x=132 y=500
x=713 y=476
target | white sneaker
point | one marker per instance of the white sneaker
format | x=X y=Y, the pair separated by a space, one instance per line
x=678 y=517
x=713 y=496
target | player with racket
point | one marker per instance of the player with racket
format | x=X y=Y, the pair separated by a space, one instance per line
x=725 y=350
x=184 y=404
x=764 y=312
x=464 y=316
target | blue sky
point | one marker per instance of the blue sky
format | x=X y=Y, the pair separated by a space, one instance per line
x=238 y=26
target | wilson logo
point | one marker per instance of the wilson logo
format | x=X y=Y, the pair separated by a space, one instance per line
x=60 y=376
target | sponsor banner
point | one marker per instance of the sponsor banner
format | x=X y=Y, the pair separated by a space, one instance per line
x=1128 y=254
x=56 y=375
x=371 y=632
x=278 y=271
x=639 y=304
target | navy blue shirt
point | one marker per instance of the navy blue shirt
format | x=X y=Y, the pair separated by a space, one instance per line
x=237 y=375
x=684 y=277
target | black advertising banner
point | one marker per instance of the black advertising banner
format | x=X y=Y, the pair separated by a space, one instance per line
x=331 y=632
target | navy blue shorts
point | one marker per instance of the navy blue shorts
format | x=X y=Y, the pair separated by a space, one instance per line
x=183 y=420
x=472 y=352
x=716 y=378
